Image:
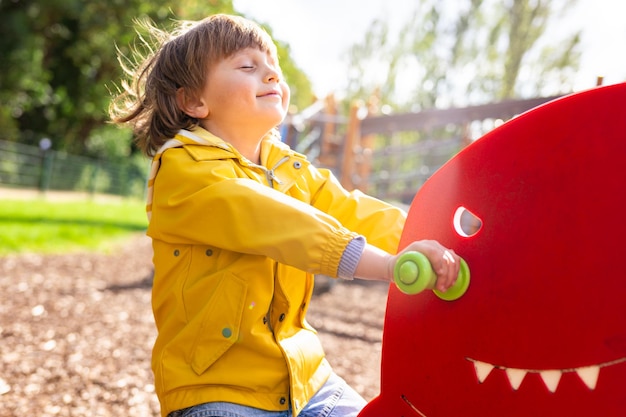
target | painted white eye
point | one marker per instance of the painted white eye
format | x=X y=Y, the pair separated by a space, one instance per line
x=466 y=223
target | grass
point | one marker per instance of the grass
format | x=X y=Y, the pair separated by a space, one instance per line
x=42 y=226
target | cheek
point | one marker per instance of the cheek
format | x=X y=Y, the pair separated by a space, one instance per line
x=286 y=95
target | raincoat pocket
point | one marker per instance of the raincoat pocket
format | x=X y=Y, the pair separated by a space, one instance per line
x=221 y=323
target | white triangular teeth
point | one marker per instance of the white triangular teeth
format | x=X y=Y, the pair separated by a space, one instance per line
x=589 y=375
x=482 y=370
x=516 y=376
x=551 y=379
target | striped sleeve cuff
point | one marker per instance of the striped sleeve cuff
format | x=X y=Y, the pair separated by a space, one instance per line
x=350 y=258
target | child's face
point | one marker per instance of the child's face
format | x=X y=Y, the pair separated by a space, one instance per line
x=245 y=91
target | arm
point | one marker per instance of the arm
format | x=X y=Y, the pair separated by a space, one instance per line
x=382 y=224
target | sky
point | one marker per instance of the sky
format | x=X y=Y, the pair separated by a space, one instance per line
x=319 y=32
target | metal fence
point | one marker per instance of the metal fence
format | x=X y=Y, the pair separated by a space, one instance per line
x=29 y=167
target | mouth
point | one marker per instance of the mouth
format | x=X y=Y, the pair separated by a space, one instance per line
x=588 y=374
x=272 y=93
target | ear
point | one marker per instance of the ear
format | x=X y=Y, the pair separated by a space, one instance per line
x=191 y=105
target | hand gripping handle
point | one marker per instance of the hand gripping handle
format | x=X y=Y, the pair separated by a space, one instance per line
x=413 y=274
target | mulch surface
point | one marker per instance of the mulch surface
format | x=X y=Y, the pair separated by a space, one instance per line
x=77 y=331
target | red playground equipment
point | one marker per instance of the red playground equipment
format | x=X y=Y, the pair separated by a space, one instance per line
x=537 y=210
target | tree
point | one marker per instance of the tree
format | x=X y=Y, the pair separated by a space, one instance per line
x=485 y=50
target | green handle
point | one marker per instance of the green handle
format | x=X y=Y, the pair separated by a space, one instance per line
x=414 y=274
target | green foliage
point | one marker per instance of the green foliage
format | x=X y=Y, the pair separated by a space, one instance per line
x=59 y=66
x=463 y=53
x=60 y=227
x=109 y=140
x=59 y=57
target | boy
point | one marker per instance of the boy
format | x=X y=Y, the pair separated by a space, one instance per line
x=239 y=224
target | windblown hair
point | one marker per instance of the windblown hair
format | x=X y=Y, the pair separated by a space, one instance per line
x=171 y=61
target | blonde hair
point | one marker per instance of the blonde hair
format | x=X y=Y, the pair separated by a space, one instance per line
x=181 y=59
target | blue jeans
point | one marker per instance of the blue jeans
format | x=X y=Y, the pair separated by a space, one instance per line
x=335 y=399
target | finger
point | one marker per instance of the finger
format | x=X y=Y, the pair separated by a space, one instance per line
x=448 y=270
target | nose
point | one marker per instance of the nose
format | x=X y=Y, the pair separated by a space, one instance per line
x=272 y=75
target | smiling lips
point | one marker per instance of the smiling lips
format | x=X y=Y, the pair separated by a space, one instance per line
x=551 y=377
x=271 y=93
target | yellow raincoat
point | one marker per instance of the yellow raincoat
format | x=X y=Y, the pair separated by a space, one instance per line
x=235 y=249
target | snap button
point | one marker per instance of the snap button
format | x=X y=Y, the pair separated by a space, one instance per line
x=264 y=320
x=283 y=400
x=176 y=252
x=297 y=165
x=226 y=332
x=209 y=252
x=282 y=317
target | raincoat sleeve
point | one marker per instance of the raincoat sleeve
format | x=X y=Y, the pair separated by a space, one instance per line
x=379 y=222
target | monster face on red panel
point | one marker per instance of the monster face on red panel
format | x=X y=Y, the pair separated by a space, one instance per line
x=541 y=331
